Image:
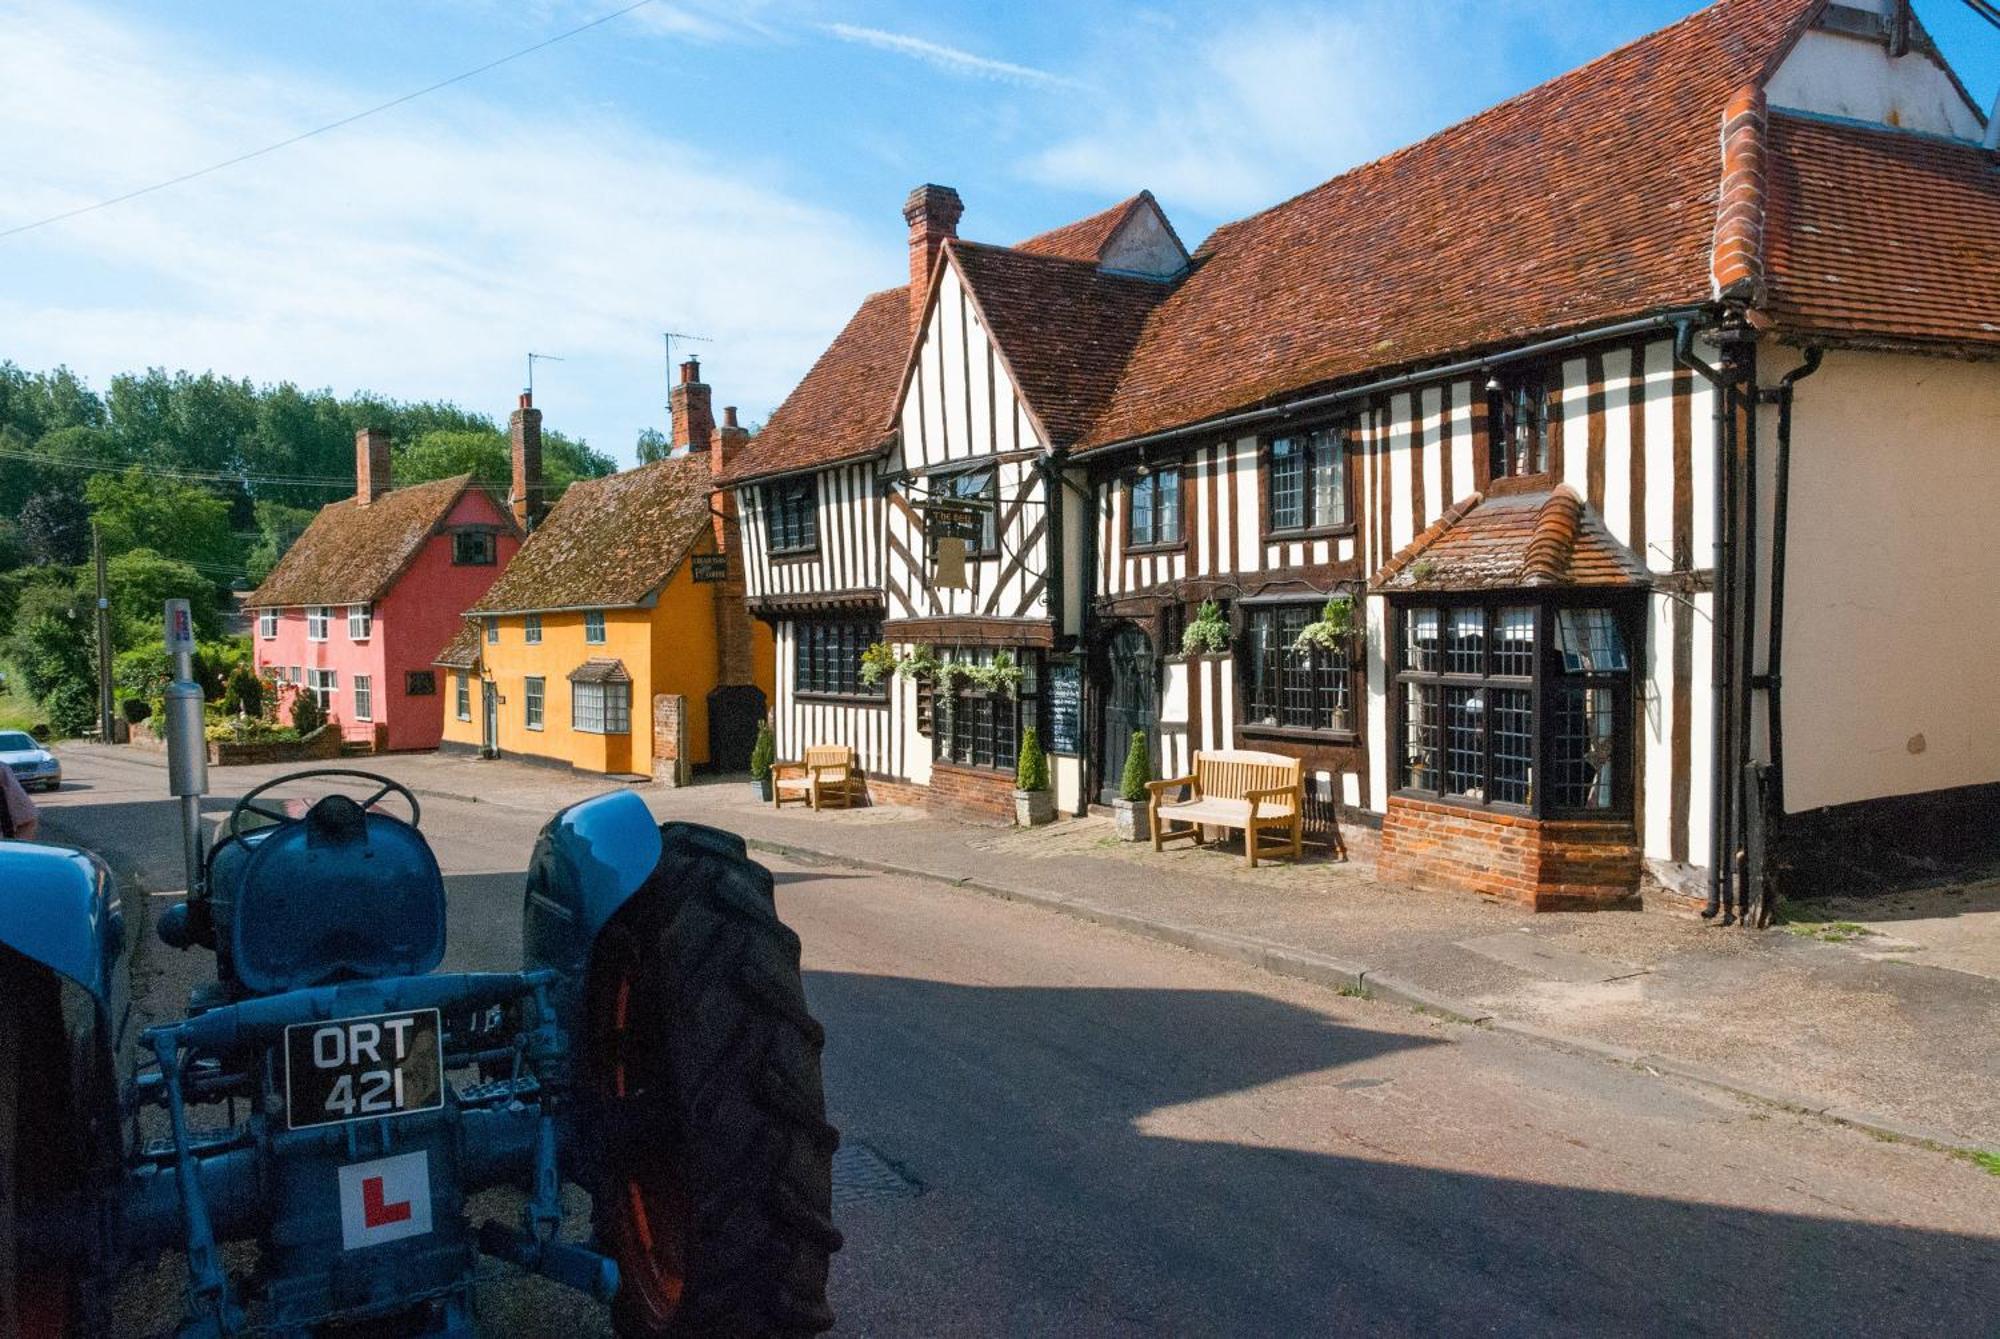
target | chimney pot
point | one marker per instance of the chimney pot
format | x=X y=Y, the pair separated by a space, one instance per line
x=729 y=416
x=527 y=400
x=933 y=213
x=694 y=421
x=371 y=465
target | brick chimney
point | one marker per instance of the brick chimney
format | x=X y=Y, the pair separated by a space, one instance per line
x=524 y=430
x=732 y=615
x=694 y=421
x=371 y=465
x=932 y=213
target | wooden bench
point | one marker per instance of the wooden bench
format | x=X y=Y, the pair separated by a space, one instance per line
x=1235 y=788
x=827 y=775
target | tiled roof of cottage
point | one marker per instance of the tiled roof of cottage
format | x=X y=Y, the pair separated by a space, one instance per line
x=601 y=669
x=1882 y=234
x=610 y=543
x=352 y=554
x=1065 y=327
x=841 y=410
x=462 y=651
x=1517 y=541
x=1585 y=200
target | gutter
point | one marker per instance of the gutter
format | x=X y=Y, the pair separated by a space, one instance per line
x=1669 y=319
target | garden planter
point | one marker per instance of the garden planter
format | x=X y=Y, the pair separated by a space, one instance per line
x=761 y=788
x=1135 y=820
x=1032 y=808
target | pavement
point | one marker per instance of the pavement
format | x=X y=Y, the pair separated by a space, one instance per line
x=1877 y=1011
x=1057 y=1127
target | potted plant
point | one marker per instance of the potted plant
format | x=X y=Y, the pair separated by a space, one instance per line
x=1034 y=805
x=1207 y=634
x=1336 y=629
x=1135 y=819
x=762 y=754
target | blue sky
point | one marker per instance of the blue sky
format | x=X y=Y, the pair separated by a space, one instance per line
x=733 y=169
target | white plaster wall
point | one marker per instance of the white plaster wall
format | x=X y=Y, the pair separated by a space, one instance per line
x=1379 y=652
x=1849 y=76
x=1144 y=245
x=1892 y=615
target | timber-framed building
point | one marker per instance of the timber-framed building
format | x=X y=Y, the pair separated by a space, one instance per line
x=1644 y=423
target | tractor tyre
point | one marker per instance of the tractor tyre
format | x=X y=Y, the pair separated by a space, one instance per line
x=717 y=1198
x=40 y=1161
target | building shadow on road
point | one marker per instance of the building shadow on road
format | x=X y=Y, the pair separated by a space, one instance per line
x=1045 y=1204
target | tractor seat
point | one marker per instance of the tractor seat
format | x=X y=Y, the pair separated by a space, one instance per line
x=340 y=894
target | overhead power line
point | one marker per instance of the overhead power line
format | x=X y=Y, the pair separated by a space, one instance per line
x=183 y=476
x=321 y=130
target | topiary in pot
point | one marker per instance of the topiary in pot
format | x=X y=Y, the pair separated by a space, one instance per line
x=762 y=754
x=1034 y=805
x=1131 y=808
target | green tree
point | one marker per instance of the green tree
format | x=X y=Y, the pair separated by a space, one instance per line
x=141 y=581
x=179 y=520
x=488 y=456
x=307 y=714
x=653 y=445
x=54 y=648
x=278 y=528
x=54 y=528
x=186 y=421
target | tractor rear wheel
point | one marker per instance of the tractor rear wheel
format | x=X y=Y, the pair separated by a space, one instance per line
x=39 y=1161
x=717 y=1203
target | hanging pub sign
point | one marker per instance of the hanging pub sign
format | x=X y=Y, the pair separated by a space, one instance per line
x=944 y=521
x=711 y=567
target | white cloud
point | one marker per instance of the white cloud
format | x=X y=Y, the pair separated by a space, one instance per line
x=949 y=58
x=421 y=253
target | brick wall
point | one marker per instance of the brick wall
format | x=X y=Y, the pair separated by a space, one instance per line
x=670 y=752
x=973 y=793
x=1545 y=864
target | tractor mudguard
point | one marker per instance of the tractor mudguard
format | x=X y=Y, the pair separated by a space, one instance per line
x=589 y=861
x=59 y=908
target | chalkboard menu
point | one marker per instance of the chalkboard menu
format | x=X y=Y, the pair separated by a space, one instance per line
x=1065 y=699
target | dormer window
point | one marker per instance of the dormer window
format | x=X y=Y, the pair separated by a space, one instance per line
x=1524 y=415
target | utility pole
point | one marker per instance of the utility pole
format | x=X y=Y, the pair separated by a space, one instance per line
x=103 y=638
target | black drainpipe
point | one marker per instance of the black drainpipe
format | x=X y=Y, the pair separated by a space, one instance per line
x=1741 y=358
x=1773 y=681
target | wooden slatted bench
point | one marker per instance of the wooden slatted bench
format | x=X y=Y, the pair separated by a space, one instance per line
x=1235 y=788
x=827 y=775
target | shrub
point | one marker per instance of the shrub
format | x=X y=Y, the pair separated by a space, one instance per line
x=244 y=695
x=136 y=709
x=763 y=753
x=307 y=714
x=72 y=707
x=1138 y=769
x=1033 y=772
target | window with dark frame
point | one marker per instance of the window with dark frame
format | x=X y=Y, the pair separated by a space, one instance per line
x=473 y=548
x=1307 y=474
x=826 y=657
x=1153 y=507
x=1522 y=419
x=1496 y=696
x=791 y=514
x=1287 y=689
x=975 y=727
x=420 y=683
x=981 y=486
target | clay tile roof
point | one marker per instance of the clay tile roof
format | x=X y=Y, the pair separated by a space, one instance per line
x=840 y=410
x=1517 y=541
x=599 y=669
x=352 y=554
x=610 y=542
x=1065 y=327
x=1086 y=238
x=1882 y=234
x=1588 y=199
x=462 y=651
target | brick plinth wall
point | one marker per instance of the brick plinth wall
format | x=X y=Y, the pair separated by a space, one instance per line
x=670 y=766
x=1544 y=864
x=974 y=793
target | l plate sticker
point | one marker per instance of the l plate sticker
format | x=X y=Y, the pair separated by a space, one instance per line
x=385 y=1200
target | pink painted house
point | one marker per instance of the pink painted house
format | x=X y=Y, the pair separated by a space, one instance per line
x=358 y=608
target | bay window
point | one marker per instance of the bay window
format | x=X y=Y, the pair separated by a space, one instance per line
x=603 y=708
x=1516 y=703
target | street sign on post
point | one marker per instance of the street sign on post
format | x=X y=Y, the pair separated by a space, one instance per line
x=180 y=635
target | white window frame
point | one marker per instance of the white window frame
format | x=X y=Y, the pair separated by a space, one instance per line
x=600 y=708
x=492 y=630
x=364 y=698
x=531 y=629
x=267 y=623
x=323 y=684
x=360 y=622
x=534 y=700
x=461 y=695
x=593 y=627
x=318 y=616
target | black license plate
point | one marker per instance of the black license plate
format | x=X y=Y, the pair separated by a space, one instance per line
x=363 y=1068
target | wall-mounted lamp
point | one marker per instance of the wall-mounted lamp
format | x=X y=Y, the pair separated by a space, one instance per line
x=1493 y=386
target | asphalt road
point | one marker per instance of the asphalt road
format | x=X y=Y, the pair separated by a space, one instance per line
x=1055 y=1128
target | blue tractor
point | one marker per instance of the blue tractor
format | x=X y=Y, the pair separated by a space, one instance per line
x=334 y=1099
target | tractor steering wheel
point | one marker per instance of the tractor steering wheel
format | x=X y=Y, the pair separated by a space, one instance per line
x=383 y=787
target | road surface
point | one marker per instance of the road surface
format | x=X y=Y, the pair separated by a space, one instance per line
x=1052 y=1128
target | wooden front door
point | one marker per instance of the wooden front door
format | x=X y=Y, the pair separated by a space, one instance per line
x=1131 y=700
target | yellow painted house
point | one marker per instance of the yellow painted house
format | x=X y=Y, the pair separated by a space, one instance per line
x=630 y=590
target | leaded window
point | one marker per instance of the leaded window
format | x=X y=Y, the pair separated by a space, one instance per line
x=1308 y=481
x=826 y=657
x=1516 y=704
x=791 y=514
x=1153 y=507
x=1523 y=416
x=1288 y=689
x=985 y=730
x=980 y=487
x=601 y=708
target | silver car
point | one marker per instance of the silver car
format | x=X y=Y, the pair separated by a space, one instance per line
x=34 y=766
